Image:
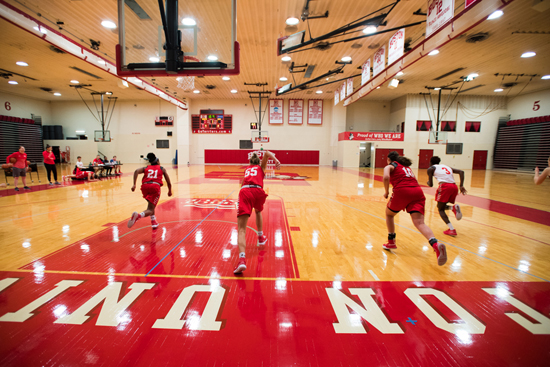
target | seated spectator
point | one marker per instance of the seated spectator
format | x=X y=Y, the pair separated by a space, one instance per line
x=108 y=166
x=115 y=164
x=79 y=162
x=98 y=165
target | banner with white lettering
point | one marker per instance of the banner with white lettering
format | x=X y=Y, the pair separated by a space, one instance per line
x=349 y=87
x=295 y=111
x=315 y=112
x=343 y=91
x=336 y=97
x=396 y=46
x=276 y=111
x=379 y=63
x=368 y=136
x=365 y=72
x=439 y=13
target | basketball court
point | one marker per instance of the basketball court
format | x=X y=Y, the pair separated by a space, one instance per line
x=78 y=287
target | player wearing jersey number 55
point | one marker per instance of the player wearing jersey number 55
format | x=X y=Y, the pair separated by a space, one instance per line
x=447 y=190
x=407 y=195
x=150 y=188
x=252 y=196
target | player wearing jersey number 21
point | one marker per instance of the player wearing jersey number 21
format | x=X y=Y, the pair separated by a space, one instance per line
x=252 y=196
x=150 y=188
x=407 y=195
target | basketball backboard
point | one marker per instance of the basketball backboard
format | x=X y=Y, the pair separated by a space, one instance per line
x=260 y=136
x=102 y=136
x=202 y=38
x=437 y=137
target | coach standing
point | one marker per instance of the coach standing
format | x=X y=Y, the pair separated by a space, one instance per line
x=49 y=163
x=19 y=167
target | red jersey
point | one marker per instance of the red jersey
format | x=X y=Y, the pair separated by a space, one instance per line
x=254 y=175
x=402 y=176
x=21 y=159
x=49 y=157
x=98 y=161
x=152 y=174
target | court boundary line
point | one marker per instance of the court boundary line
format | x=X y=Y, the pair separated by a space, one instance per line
x=446 y=243
x=290 y=243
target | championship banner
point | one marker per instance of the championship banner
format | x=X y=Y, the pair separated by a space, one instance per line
x=276 y=111
x=368 y=136
x=439 y=13
x=365 y=72
x=379 y=61
x=295 y=111
x=349 y=87
x=336 y=97
x=343 y=91
x=315 y=112
x=396 y=46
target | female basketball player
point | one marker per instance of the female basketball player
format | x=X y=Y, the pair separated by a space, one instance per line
x=408 y=195
x=252 y=195
x=539 y=179
x=150 y=188
x=80 y=175
x=447 y=190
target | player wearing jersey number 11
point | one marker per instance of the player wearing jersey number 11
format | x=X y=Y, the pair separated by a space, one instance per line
x=407 y=195
x=252 y=196
x=150 y=188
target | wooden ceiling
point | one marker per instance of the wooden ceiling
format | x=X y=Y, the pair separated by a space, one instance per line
x=260 y=23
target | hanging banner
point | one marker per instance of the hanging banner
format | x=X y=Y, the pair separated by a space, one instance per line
x=275 y=111
x=396 y=46
x=295 y=111
x=343 y=91
x=315 y=112
x=379 y=63
x=349 y=87
x=365 y=72
x=469 y=2
x=439 y=13
x=336 y=97
x=369 y=136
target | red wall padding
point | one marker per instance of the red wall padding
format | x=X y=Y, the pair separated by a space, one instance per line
x=240 y=156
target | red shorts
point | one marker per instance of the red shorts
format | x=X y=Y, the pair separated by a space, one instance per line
x=410 y=198
x=446 y=193
x=82 y=176
x=151 y=193
x=251 y=198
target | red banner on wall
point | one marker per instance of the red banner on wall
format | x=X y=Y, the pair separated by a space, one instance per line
x=369 y=136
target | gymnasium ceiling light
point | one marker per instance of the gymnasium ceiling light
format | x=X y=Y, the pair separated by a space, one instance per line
x=21 y=63
x=75 y=82
x=286 y=58
x=212 y=58
x=196 y=91
x=154 y=59
x=57 y=94
x=13 y=82
x=437 y=88
x=108 y=24
x=499 y=90
x=400 y=73
x=528 y=54
x=284 y=79
x=319 y=92
x=226 y=78
x=546 y=77
x=495 y=15
x=434 y=52
x=369 y=30
x=292 y=21
x=346 y=58
x=233 y=91
x=471 y=77
x=188 y=21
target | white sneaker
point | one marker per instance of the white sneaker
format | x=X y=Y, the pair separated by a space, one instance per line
x=458 y=213
x=133 y=219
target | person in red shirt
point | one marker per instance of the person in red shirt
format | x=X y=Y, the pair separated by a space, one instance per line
x=98 y=165
x=407 y=195
x=19 y=167
x=252 y=196
x=49 y=163
x=80 y=175
x=150 y=188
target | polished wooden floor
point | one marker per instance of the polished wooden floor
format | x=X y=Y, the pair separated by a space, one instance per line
x=338 y=215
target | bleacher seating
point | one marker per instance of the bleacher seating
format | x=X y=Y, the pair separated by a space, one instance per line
x=20 y=120
x=532 y=120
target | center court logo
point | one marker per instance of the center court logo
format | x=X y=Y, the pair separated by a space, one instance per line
x=212 y=203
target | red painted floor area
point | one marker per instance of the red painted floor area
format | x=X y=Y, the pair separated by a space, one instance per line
x=191 y=246
x=78 y=319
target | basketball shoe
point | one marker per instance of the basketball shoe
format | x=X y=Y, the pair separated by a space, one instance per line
x=262 y=240
x=450 y=232
x=133 y=219
x=440 y=252
x=241 y=266
x=154 y=224
x=457 y=212
x=390 y=245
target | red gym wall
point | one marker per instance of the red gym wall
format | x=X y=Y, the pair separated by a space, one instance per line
x=240 y=156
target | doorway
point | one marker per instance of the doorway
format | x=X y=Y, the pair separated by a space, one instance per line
x=480 y=159
x=382 y=155
x=424 y=157
x=365 y=154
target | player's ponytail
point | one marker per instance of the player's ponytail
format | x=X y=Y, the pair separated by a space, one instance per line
x=395 y=157
x=254 y=160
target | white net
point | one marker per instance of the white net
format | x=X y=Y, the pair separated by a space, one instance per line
x=187 y=83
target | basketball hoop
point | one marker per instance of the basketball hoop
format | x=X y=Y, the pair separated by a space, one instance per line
x=187 y=83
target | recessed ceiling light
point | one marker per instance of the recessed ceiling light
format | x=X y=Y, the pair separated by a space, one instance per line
x=188 y=21
x=226 y=78
x=286 y=58
x=437 y=88
x=284 y=79
x=212 y=58
x=495 y=14
x=21 y=63
x=13 y=82
x=377 y=87
x=75 y=82
x=499 y=90
x=434 y=52
x=57 y=94
x=546 y=77
x=473 y=75
x=528 y=54
x=108 y=24
x=400 y=73
x=369 y=30
x=233 y=91
x=346 y=58
x=109 y=93
x=319 y=92
x=196 y=91
x=292 y=21
x=154 y=59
